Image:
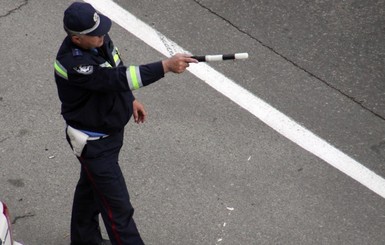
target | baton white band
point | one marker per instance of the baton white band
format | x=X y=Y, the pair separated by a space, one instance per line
x=220 y=57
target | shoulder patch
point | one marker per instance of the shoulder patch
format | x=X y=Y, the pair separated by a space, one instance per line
x=76 y=52
x=84 y=69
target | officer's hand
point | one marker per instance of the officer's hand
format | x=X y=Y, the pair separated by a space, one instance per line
x=139 y=112
x=177 y=63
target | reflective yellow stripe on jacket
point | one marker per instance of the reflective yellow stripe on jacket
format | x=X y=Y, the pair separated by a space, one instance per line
x=116 y=56
x=133 y=77
x=60 y=70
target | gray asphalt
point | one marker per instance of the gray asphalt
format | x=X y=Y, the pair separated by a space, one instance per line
x=202 y=170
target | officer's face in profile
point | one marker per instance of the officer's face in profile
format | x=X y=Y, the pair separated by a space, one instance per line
x=88 y=42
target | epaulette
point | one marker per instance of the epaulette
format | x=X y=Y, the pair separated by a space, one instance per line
x=76 y=52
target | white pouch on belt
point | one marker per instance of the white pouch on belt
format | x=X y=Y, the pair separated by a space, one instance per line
x=78 y=140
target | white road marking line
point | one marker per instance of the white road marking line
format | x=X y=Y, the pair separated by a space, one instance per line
x=265 y=112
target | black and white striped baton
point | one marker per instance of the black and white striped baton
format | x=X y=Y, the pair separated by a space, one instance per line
x=220 y=57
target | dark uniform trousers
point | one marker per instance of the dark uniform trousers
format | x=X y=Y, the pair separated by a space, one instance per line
x=102 y=189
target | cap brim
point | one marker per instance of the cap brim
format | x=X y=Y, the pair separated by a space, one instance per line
x=103 y=28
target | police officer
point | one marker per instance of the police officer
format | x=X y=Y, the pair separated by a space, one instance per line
x=94 y=88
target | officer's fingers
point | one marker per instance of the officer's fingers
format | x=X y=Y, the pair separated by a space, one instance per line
x=185 y=58
x=136 y=116
x=177 y=63
x=143 y=116
x=143 y=119
x=190 y=60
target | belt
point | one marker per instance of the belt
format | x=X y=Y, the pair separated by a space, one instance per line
x=94 y=135
x=97 y=138
x=79 y=138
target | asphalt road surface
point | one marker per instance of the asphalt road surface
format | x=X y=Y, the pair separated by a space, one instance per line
x=203 y=170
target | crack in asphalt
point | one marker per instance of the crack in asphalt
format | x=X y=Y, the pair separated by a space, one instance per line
x=28 y=215
x=4 y=139
x=15 y=9
x=311 y=74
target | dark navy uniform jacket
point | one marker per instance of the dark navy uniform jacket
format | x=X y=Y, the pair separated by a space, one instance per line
x=95 y=87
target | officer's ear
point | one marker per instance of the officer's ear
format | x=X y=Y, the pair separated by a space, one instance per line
x=76 y=39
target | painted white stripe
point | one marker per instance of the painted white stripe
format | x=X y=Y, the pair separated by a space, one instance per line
x=265 y=112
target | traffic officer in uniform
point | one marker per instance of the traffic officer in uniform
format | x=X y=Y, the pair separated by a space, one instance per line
x=94 y=88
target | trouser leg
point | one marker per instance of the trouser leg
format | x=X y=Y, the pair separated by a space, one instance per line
x=85 y=214
x=100 y=164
